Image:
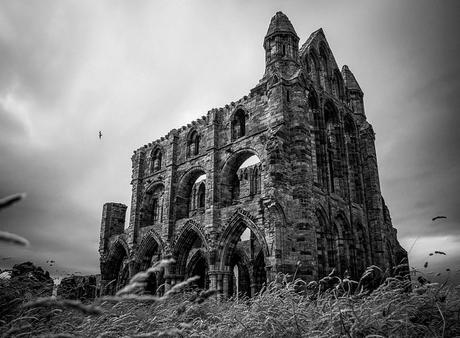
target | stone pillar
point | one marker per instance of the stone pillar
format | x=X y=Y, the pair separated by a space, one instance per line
x=220 y=284
x=136 y=198
x=212 y=280
x=226 y=284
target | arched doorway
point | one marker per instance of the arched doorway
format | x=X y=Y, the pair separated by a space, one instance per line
x=115 y=270
x=150 y=253
x=198 y=266
x=243 y=257
x=191 y=257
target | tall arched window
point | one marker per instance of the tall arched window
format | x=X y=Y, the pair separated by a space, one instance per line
x=152 y=206
x=353 y=160
x=338 y=84
x=324 y=67
x=201 y=195
x=155 y=210
x=238 y=124
x=193 y=143
x=156 y=160
x=314 y=68
x=336 y=154
x=319 y=136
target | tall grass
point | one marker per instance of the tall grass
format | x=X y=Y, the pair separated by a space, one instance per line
x=333 y=307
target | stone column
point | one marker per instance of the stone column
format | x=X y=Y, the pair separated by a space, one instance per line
x=226 y=284
x=219 y=284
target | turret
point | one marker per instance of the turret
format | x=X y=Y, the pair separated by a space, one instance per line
x=354 y=91
x=281 y=46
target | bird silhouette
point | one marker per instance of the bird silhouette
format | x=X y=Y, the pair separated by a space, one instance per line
x=100 y=134
x=437 y=217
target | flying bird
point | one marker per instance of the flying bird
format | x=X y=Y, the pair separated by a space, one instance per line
x=437 y=217
x=100 y=134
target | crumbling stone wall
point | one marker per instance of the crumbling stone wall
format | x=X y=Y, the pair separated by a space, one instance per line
x=310 y=201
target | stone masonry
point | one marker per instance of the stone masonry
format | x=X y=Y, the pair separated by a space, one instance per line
x=283 y=179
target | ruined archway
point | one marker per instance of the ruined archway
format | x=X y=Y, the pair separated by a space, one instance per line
x=237 y=180
x=197 y=265
x=152 y=205
x=187 y=193
x=115 y=268
x=189 y=253
x=243 y=246
x=150 y=252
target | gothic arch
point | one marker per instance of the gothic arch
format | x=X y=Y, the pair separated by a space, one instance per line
x=184 y=191
x=189 y=237
x=228 y=177
x=354 y=170
x=338 y=85
x=115 y=247
x=241 y=283
x=335 y=147
x=115 y=268
x=193 y=143
x=231 y=235
x=152 y=204
x=277 y=228
x=314 y=66
x=198 y=266
x=156 y=158
x=150 y=240
x=238 y=121
x=347 y=248
x=325 y=66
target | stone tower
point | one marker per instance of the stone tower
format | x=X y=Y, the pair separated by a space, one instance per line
x=286 y=174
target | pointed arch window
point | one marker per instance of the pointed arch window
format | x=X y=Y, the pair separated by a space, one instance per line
x=238 y=124
x=255 y=181
x=351 y=142
x=324 y=68
x=193 y=143
x=338 y=84
x=201 y=196
x=152 y=206
x=314 y=68
x=336 y=154
x=156 y=160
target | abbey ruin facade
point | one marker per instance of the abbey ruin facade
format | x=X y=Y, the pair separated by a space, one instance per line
x=283 y=179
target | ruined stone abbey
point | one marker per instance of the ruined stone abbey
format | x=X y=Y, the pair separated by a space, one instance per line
x=283 y=179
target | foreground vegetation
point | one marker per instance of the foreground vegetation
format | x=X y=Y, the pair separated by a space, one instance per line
x=380 y=304
x=331 y=308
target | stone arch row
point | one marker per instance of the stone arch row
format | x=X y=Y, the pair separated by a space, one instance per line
x=341 y=246
x=337 y=157
x=231 y=266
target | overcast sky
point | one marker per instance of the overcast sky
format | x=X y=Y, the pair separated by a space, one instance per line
x=136 y=69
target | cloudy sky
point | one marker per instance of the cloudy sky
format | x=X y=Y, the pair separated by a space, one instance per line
x=136 y=69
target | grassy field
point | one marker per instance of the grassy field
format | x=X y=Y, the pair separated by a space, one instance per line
x=331 y=308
